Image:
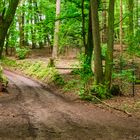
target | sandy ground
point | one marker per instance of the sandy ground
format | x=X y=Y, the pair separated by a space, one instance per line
x=32 y=112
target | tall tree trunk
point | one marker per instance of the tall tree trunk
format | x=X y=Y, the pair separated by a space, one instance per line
x=56 y=31
x=98 y=70
x=110 y=44
x=5 y=22
x=131 y=25
x=7 y=43
x=137 y=15
x=89 y=46
x=27 y=33
x=104 y=14
x=32 y=22
x=121 y=31
x=83 y=24
x=21 y=28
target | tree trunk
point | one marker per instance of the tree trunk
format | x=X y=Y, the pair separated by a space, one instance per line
x=5 y=22
x=32 y=23
x=137 y=24
x=121 y=31
x=21 y=28
x=110 y=44
x=98 y=70
x=56 y=31
x=130 y=8
x=104 y=14
x=83 y=24
x=89 y=46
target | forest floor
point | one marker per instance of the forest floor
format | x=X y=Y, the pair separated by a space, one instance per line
x=32 y=111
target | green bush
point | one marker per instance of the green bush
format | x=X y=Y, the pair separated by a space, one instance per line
x=21 y=53
x=101 y=91
x=58 y=79
x=85 y=76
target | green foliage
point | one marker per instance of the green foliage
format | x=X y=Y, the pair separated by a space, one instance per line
x=9 y=62
x=83 y=68
x=101 y=91
x=21 y=53
x=71 y=85
x=134 y=44
x=58 y=79
x=125 y=75
x=85 y=76
x=104 y=49
x=36 y=69
x=85 y=95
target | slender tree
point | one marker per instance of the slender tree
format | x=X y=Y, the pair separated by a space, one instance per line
x=89 y=45
x=83 y=23
x=110 y=43
x=104 y=22
x=121 y=25
x=56 y=31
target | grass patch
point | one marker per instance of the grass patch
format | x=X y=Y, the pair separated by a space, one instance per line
x=36 y=69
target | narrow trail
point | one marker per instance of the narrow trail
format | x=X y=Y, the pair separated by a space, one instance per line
x=30 y=112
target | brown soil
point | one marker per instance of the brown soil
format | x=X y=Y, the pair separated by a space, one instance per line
x=32 y=112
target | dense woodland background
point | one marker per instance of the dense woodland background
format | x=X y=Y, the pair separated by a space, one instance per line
x=95 y=29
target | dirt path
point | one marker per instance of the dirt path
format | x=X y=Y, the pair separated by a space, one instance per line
x=30 y=112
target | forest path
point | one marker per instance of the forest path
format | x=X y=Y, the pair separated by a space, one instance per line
x=31 y=112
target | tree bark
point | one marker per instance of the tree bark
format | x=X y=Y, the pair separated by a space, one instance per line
x=89 y=46
x=5 y=22
x=104 y=14
x=83 y=24
x=110 y=44
x=56 y=31
x=121 y=31
x=21 y=29
x=131 y=25
x=98 y=70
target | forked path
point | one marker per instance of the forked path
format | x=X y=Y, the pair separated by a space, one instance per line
x=31 y=112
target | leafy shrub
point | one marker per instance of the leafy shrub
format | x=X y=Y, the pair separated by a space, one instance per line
x=125 y=78
x=101 y=91
x=21 y=53
x=85 y=75
x=58 y=79
x=125 y=75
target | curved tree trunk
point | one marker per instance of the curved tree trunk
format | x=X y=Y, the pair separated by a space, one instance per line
x=5 y=22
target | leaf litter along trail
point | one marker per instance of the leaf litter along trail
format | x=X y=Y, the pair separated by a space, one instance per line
x=31 y=112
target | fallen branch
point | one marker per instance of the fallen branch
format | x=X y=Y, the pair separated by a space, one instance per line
x=124 y=111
